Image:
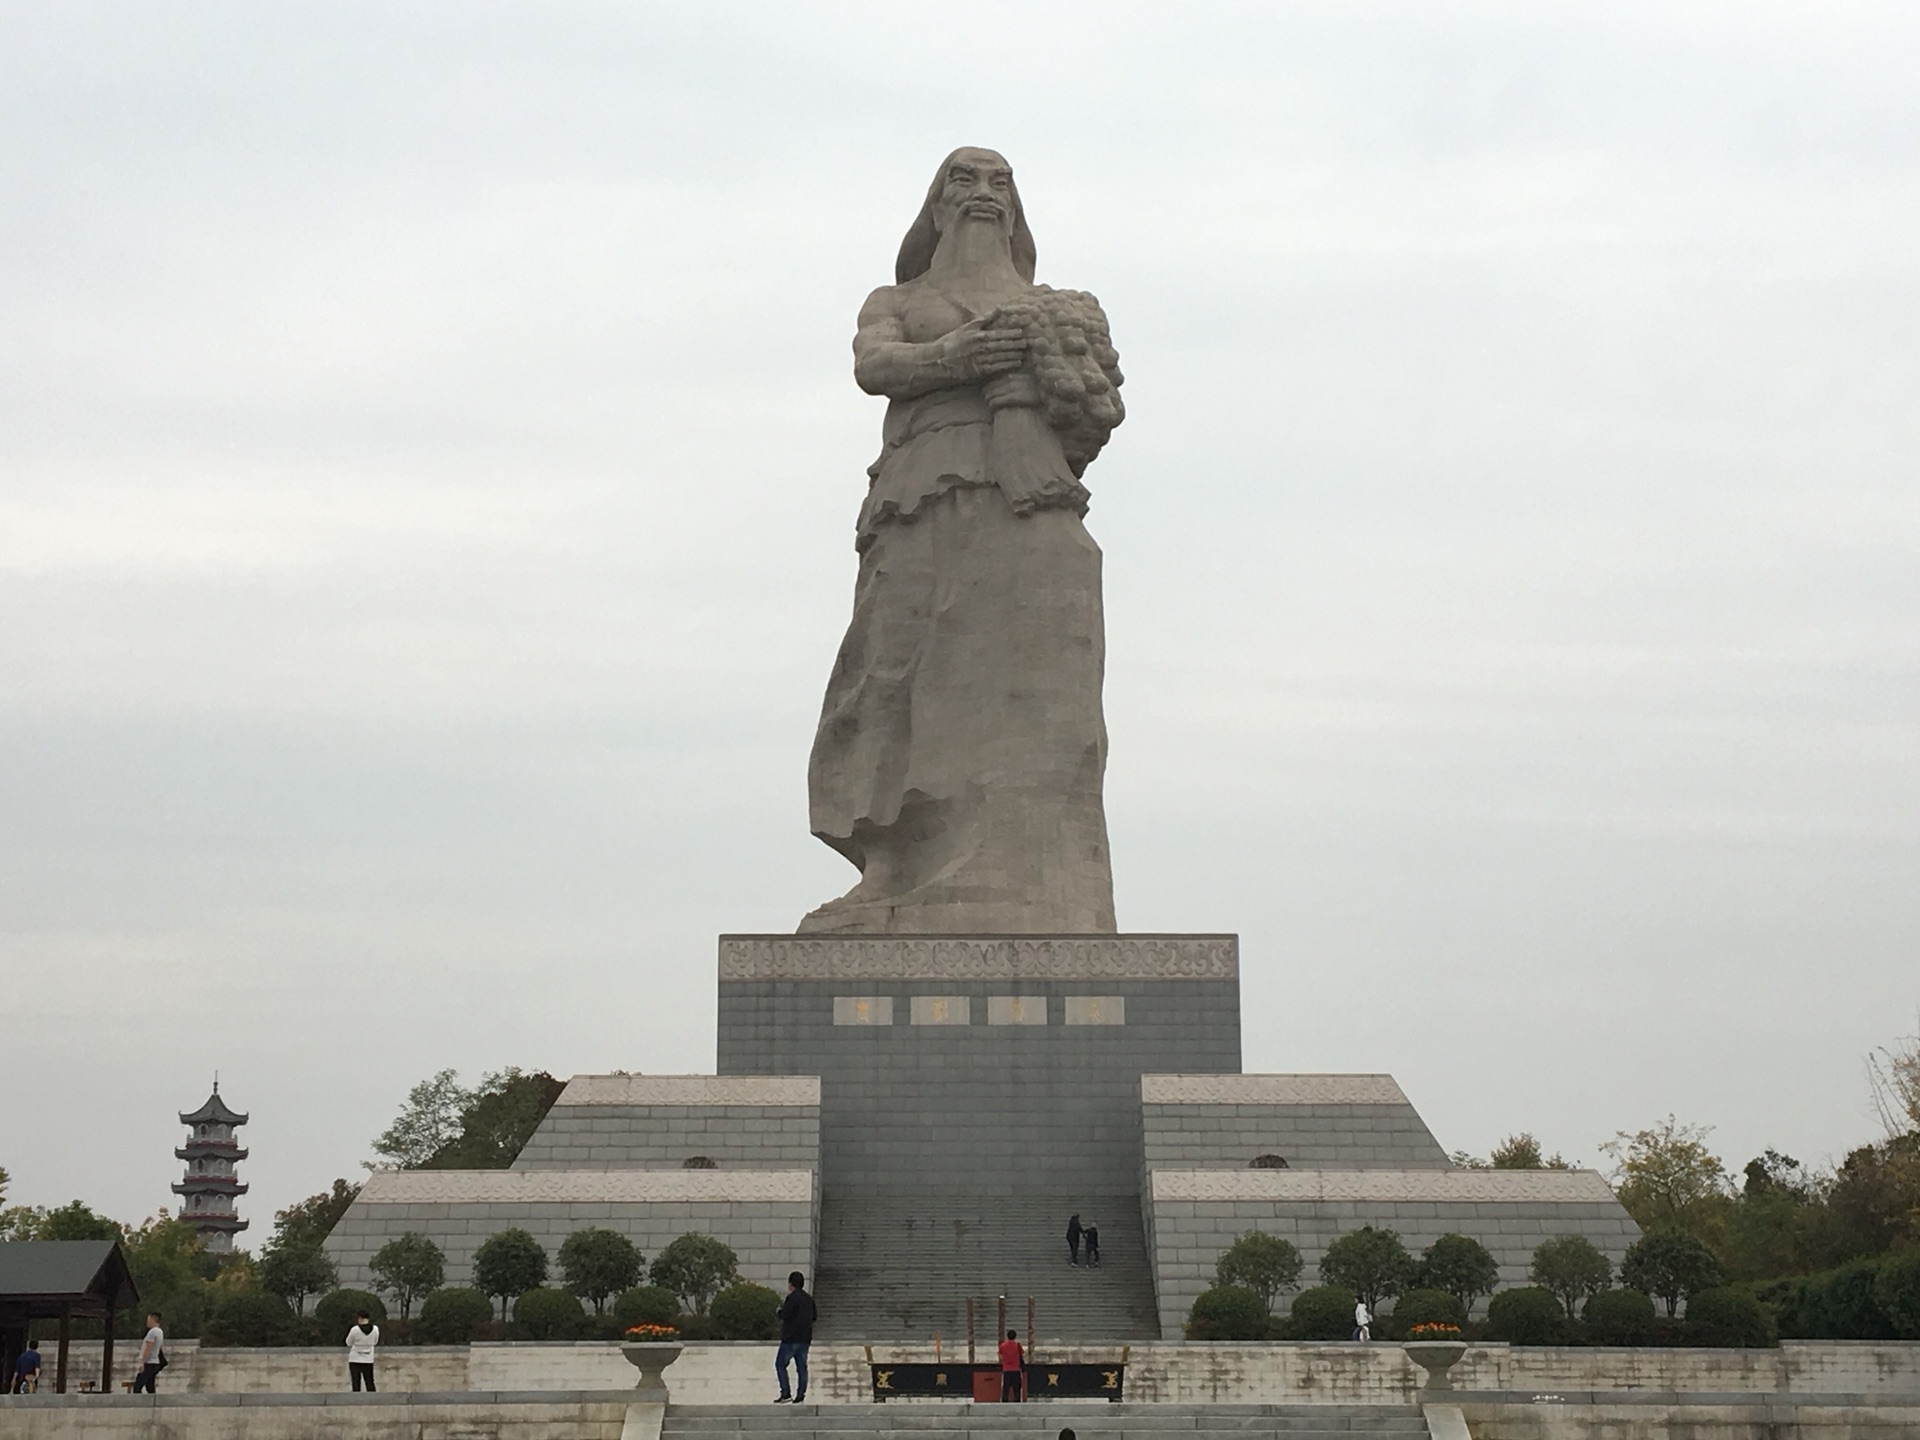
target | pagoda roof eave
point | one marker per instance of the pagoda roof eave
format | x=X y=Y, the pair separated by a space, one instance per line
x=214 y=1111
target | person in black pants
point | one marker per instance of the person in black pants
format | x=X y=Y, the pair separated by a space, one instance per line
x=153 y=1355
x=1091 y=1236
x=1073 y=1241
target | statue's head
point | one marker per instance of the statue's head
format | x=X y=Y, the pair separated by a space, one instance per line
x=972 y=187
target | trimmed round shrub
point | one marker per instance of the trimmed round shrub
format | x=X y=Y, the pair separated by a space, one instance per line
x=696 y=1327
x=1323 y=1313
x=549 y=1314
x=1731 y=1317
x=747 y=1312
x=1619 y=1317
x=646 y=1305
x=454 y=1315
x=1896 y=1290
x=335 y=1311
x=1427 y=1307
x=1228 y=1312
x=250 y=1317
x=1527 y=1315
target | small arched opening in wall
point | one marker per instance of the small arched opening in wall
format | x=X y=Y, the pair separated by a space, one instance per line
x=699 y=1162
x=1268 y=1162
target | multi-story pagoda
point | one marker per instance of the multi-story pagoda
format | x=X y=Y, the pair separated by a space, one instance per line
x=211 y=1186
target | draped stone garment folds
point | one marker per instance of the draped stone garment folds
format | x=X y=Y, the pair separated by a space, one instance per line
x=961 y=748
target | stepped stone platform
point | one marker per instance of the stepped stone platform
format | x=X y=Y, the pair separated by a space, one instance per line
x=1213 y=1422
x=911 y=1120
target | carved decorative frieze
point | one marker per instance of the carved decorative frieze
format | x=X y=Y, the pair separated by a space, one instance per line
x=691 y=1090
x=1270 y=1090
x=1431 y=1186
x=584 y=1187
x=1010 y=957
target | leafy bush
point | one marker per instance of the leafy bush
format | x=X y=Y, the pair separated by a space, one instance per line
x=1370 y=1262
x=1459 y=1265
x=747 y=1312
x=1619 y=1317
x=1426 y=1307
x=696 y=1327
x=250 y=1317
x=646 y=1305
x=453 y=1316
x=1228 y=1312
x=338 y=1309
x=1323 y=1313
x=1731 y=1317
x=407 y=1267
x=1527 y=1315
x=1263 y=1263
x=549 y=1314
x=1839 y=1304
x=1896 y=1290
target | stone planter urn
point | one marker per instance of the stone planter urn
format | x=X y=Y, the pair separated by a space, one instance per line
x=1436 y=1357
x=651 y=1357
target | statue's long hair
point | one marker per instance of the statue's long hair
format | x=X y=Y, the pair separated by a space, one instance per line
x=916 y=251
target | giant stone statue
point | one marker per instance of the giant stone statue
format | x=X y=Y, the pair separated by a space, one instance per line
x=961 y=745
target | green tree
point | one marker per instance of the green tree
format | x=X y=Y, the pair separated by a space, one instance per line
x=445 y=1126
x=1372 y=1263
x=1263 y=1263
x=1896 y=1290
x=647 y=1305
x=598 y=1263
x=407 y=1267
x=165 y=1256
x=295 y=1271
x=313 y=1218
x=1572 y=1267
x=695 y=1267
x=498 y=1120
x=1228 y=1312
x=74 y=1221
x=1619 y=1317
x=1667 y=1177
x=1459 y=1265
x=1522 y=1152
x=508 y=1265
x=1670 y=1265
x=429 y=1122
x=1324 y=1312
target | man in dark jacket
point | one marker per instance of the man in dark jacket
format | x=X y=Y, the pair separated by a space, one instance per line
x=797 y=1314
x=1073 y=1241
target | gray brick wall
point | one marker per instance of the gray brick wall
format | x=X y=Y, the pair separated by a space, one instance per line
x=980 y=1109
x=770 y=1238
x=1186 y=1237
x=663 y=1137
x=1203 y=1137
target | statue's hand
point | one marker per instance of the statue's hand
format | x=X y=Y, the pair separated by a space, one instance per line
x=977 y=352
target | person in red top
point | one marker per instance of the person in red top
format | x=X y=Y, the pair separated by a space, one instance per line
x=1013 y=1369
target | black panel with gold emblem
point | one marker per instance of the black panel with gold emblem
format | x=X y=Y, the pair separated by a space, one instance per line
x=1044 y=1382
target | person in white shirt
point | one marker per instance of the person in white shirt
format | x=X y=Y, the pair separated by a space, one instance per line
x=1362 y=1320
x=360 y=1342
x=153 y=1355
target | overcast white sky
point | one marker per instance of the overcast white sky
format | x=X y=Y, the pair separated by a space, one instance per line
x=428 y=462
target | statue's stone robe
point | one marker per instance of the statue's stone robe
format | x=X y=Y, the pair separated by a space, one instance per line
x=962 y=746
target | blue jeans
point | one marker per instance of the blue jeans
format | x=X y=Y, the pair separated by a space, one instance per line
x=796 y=1351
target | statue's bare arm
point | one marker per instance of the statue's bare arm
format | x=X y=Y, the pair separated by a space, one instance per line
x=886 y=363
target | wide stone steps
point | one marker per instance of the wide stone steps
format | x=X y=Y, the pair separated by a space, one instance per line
x=897 y=1268
x=1094 y=1421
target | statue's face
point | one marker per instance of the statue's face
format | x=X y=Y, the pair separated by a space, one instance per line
x=977 y=189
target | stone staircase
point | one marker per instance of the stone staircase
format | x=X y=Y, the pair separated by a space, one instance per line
x=900 y=1267
x=937 y=1421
